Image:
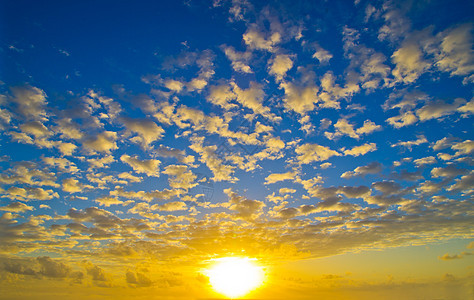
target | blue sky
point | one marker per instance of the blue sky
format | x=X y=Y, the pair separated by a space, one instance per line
x=208 y=128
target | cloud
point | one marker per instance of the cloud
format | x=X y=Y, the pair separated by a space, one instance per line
x=102 y=142
x=17 y=207
x=425 y=161
x=322 y=55
x=208 y=156
x=438 y=109
x=30 y=101
x=300 y=98
x=276 y=177
x=405 y=119
x=108 y=201
x=137 y=279
x=147 y=131
x=221 y=95
x=446 y=256
x=35 y=128
x=372 y=168
x=409 y=144
x=239 y=60
x=343 y=127
x=257 y=40
x=463 y=148
x=409 y=62
x=171 y=206
x=180 y=177
x=309 y=153
x=279 y=65
x=149 y=167
x=72 y=185
x=361 y=150
x=448 y=171
x=456 y=55
x=245 y=208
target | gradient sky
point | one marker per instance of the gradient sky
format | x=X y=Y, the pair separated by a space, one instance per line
x=330 y=140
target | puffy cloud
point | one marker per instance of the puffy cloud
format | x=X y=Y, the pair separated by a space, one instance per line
x=446 y=256
x=255 y=39
x=147 y=166
x=221 y=95
x=174 y=85
x=322 y=55
x=409 y=144
x=331 y=93
x=279 y=65
x=180 y=177
x=108 y=201
x=372 y=168
x=438 y=109
x=30 y=193
x=464 y=184
x=69 y=129
x=147 y=130
x=171 y=206
x=425 y=161
x=463 y=148
x=361 y=150
x=138 y=279
x=17 y=207
x=102 y=142
x=405 y=119
x=208 y=156
x=72 y=185
x=252 y=98
x=343 y=127
x=396 y=24
x=309 y=153
x=102 y=162
x=96 y=101
x=276 y=177
x=456 y=55
x=246 y=208
x=449 y=171
x=239 y=60
x=409 y=62
x=30 y=101
x=63 y=164
x=35 y=128
x=368 y=128
x=53 y=268
x=300 y=98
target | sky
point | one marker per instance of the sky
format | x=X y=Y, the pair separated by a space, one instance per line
x=329 y=141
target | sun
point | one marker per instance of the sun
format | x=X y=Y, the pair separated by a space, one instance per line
x=235 y=276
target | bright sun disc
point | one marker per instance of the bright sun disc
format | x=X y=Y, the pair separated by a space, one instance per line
x=234 y=276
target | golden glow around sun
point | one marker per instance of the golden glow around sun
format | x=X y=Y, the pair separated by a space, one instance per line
x=235 y=276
